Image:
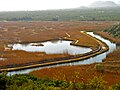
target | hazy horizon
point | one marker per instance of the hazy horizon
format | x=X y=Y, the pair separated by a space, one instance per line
x=15 y=5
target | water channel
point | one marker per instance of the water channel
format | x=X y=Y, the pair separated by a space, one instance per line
x=98 y=58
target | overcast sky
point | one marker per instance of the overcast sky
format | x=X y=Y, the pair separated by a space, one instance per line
x=15 y=5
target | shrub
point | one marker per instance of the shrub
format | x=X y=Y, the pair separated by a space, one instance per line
x=116 y=86
x=28 y=82
x=99 y=67
x=97 y=83
x=81 y=86
x=3 y=81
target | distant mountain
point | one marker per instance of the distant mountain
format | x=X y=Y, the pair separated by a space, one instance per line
x=103 y=4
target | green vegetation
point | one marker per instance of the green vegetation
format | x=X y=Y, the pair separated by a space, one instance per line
x=114 y=30
x=92 y=14
x=99 y=67
x=116 y=86
x=28 y=82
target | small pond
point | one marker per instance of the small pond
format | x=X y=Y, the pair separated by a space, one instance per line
x=51 y=47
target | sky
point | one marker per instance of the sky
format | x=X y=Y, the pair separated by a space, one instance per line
x=18 y=5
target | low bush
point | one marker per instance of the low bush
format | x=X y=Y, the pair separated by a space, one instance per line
x=116 y=86
x=99 y=67
x=28 y=82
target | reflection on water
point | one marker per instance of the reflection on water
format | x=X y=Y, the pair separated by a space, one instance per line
x=98 y=58
x=52 y=47
x=2 y=59
x=112 y=46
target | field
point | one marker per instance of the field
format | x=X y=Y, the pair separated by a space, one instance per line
x=24 y=32
x=82 y=73
x=112 y=62
x=109 y=69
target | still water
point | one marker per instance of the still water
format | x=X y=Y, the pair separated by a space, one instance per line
x=52 y=47
x=98 y=58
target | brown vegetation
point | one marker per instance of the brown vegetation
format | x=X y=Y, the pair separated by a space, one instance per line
x=22 y=57
x=109 y=69
x=110 y=37
x=38 y=31
x=81 y=73
x=112 y=62
x=24 y=32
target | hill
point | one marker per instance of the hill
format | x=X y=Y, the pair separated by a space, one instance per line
x=103 y=4
x=78 y=14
